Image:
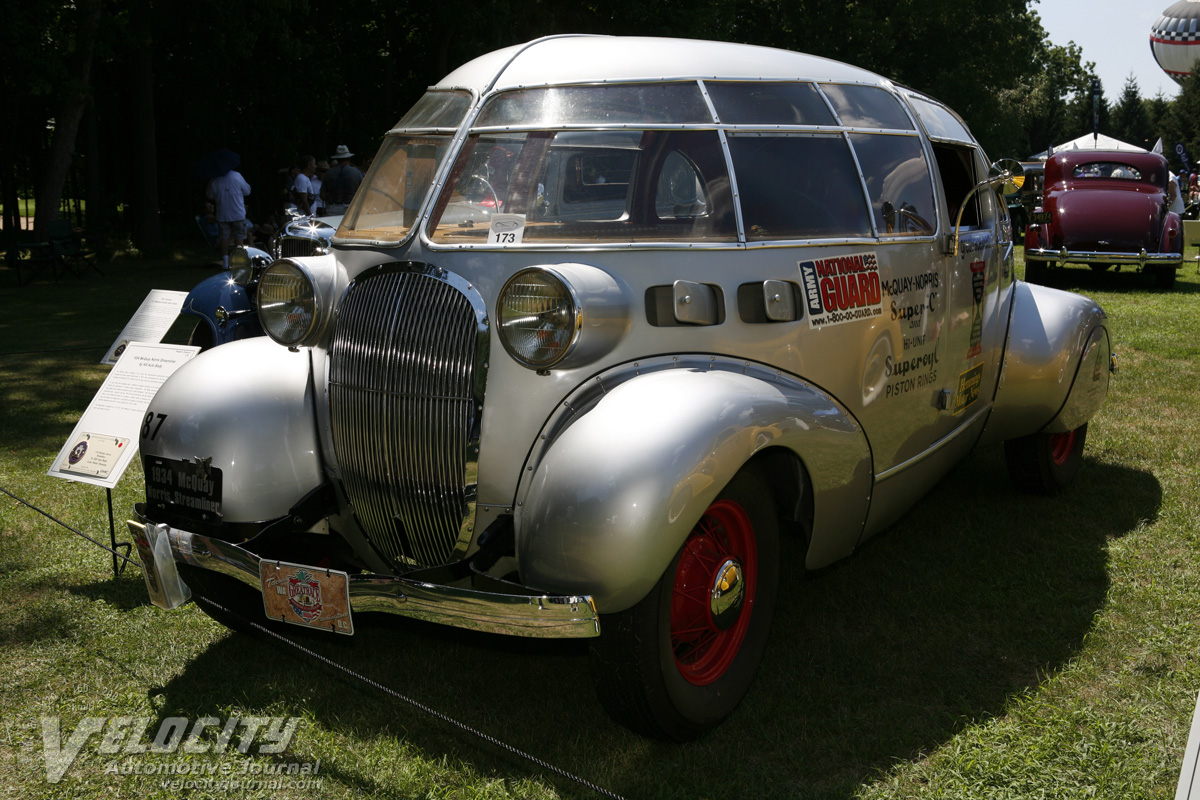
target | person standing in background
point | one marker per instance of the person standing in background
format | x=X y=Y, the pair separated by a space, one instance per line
x=317 y=180
x=228 y=194
x=341 y=182
x=302 y=191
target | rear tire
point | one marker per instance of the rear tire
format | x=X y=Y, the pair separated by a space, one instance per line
x=1045 y=463
x=1035 y=272
x=1164 y=278
x=677 y=663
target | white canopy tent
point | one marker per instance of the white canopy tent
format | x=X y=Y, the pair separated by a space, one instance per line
x=1088 y=142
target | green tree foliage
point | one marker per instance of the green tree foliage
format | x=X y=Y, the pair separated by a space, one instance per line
x=274 y=79
x=1130 y=119
x=1088 y=113
x=1037 y=107
x=1179 y=124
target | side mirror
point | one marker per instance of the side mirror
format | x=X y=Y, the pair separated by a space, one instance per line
x=1006 y=176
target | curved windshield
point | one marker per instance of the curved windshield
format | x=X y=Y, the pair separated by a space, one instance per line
x=389 y=200
x=387 y=203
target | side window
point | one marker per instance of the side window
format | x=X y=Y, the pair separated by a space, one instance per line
x=798 y=186
x=898 y=182
x=956 y=166
x=680 y=193
x=866 y=107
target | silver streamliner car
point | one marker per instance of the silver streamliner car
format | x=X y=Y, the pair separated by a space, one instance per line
x=606 y=319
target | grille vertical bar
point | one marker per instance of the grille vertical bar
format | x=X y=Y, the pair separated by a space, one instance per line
x=403 y=408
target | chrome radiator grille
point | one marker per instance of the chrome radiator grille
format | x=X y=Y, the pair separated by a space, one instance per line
x=404 y=400
x=296 y=247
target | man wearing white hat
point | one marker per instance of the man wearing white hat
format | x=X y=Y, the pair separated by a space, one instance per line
x=341 y=181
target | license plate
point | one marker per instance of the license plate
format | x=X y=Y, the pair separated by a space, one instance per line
x=1040 y=217
x=183 y=487
x=310 y=596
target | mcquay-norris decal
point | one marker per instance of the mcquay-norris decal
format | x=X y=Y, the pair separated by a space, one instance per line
x=912 y=303
x=841 y=289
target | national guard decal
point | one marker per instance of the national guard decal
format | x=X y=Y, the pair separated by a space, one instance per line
x=841 y=289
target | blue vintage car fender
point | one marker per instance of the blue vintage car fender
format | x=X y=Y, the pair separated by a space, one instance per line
x=630 y=464
x=225 y=308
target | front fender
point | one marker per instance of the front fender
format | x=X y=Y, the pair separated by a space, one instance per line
x=249 y=407
x=1051 y=334
x=630 y=464
x=237 y=320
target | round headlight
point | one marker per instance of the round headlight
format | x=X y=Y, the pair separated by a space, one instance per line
x=240 y=268
x=538 y=318
x=287 y=303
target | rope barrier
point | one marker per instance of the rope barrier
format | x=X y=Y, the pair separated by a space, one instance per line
x=347 y=671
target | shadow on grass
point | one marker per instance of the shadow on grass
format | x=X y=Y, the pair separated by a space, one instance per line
x=1081 y=278
x=973 y=598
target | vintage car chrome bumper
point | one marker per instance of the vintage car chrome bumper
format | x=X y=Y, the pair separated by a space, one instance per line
x=542 y=616
x=1141 y=258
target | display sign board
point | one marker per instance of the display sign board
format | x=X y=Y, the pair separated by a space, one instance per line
x=106 y=436
x=150 y=322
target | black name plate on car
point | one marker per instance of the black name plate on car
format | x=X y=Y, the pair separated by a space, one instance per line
x=183 y=487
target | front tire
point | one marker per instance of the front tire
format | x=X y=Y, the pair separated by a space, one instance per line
x=677 y=663
x=238 y=605
x=202 y=336
x=1045 y=463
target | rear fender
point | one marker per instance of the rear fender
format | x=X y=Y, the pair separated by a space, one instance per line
x=1171 y=238
x=1042 y=383
x=630 y=462
x=249 y=407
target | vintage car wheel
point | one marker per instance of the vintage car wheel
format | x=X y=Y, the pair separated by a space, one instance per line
x=680 y=661
x=1164 y=277
x=1035 y=271
x=1045 y=463
x=201 y=336
x=239 y=605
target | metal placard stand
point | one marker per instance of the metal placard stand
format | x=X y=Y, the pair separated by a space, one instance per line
x=105 y=438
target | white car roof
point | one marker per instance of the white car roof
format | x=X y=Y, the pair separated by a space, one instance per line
x=591 y=59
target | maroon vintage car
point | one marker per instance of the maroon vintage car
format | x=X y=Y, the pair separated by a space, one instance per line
x=1105 y=208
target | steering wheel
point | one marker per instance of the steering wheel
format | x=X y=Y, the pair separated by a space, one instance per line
x=487 y=187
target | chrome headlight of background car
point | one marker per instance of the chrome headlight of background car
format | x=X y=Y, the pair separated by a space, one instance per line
x=294 y=301
x=244 y=262
x=561 y=316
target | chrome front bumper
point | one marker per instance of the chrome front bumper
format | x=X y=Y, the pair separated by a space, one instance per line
x=544 y=616
x=1140 y=259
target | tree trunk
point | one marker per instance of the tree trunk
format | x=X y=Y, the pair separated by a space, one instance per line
x=66 y=123
x=144 y=162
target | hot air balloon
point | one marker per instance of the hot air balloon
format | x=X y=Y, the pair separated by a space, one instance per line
x=1175 y=39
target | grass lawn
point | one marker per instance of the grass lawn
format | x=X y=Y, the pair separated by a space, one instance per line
x=989 y=645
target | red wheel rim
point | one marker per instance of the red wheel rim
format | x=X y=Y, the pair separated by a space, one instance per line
x=703 y=651
x=1061 y=445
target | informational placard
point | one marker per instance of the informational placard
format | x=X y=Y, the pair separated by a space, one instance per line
x=149 y=323
x=106 y=436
